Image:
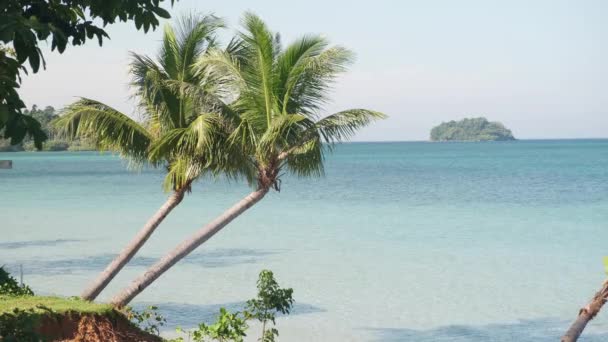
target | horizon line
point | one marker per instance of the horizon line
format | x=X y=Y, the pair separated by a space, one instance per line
x=455 y=141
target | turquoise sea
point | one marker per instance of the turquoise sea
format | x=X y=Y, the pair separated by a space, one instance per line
x=398 y=242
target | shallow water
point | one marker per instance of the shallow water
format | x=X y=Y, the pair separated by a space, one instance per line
x=398 y=242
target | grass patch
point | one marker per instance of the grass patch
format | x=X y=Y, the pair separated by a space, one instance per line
x=40 y=318
x=58 y=305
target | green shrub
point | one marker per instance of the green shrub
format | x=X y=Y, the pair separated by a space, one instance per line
x=270 y=301
x=10 y=287
x=148 y=320
x=19 y=326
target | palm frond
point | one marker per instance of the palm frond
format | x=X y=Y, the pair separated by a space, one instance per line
x=293 y=62
x=107 y=127
x=306 y=160
x=198 y=138
x=310 y=81
x=244 y=137
x=260 y=47
x=196 y=34
x=159 y=105
x=222 y=69
x=181 y=172
x=343 y=125
x=168 y=55
x=283 y=133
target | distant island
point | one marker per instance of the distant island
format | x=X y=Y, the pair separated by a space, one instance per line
x=473 y=129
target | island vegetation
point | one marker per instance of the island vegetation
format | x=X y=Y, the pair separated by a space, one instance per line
x=473 y=129
x=46 y=117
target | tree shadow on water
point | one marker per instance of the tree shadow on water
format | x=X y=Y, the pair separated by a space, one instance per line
x=220 y=257
x=36 y=243
x=537 y=330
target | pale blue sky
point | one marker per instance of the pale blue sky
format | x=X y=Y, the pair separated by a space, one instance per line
x=538 y=66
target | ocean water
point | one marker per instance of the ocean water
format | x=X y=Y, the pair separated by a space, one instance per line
x=398 y=242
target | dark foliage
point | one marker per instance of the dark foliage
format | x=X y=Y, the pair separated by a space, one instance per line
x=23 y=23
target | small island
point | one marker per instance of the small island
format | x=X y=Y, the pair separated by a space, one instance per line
x=471 y=129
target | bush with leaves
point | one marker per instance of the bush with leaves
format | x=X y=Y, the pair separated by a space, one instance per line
x=270 y=301
x=228 y=327
x=149 y=320
x=10 y=287
x=18 y=325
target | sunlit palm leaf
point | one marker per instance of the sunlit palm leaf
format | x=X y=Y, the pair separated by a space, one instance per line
x=343 y=125
x=107 y=127
x=195 y=36
x=293 y=62
x=283 y=133
x=310 y=81
x=260 y=50
x=198 y=138
x=160 y=106
x=306 y=160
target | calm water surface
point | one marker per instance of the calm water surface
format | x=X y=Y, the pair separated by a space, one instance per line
x=399 y=242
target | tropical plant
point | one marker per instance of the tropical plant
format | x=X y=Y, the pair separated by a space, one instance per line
x=229 y=326
x=271 y=300
x=164 y=90
x=10 y=287
x=26 y=22
x=274 y=120
x=148 y=320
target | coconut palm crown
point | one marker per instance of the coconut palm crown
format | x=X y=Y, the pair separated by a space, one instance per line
x=277 y=99
x=172 y=96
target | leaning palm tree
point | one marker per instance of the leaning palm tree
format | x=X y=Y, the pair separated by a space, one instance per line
x=164 y=91
x=274 y=120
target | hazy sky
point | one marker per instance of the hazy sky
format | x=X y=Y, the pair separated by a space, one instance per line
x=538 y=66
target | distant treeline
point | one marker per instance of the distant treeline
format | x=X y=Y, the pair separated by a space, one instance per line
x=475 y=129
x=46 y=116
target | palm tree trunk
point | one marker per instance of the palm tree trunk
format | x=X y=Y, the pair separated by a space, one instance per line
x=187 y=246
x=586 y=314
x=104 y=278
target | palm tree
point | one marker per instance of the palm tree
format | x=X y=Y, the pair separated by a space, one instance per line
x=165 y=93
x=274 y=120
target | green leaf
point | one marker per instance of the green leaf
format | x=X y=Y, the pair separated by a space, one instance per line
x=78 y=11
x=138 y=22
x=161 y=12
x=3 y=113
x=21 y=48
x=35 y=61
